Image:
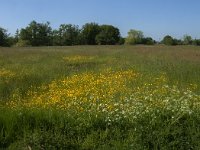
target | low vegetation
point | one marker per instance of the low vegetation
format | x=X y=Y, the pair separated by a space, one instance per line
x=100 y=97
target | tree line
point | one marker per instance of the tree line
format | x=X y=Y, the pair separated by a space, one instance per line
x=42 y=34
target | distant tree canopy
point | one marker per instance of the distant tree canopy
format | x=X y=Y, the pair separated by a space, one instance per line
x=67 y=34
x=3 y=37
x=187 y=40
x=42 y=34
x=38 y=34
x=108 y=35
x=89 y=33
x=137 y=37
x=168 y=40
x=196 y=42
x=134 y=37
x=148 y=41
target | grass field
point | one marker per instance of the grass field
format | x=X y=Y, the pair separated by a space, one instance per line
x=100 y=97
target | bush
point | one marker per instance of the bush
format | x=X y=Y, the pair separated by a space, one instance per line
x=168 y=40
x=121 y=41
x=148 y=41
x=23 y=43
x=109 y=35
x=134 y=37
x=196 y=42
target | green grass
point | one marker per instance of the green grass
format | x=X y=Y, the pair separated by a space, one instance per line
x=49 y=128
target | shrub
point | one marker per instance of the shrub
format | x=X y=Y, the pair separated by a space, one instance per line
x=168 y=40
x=23 y=43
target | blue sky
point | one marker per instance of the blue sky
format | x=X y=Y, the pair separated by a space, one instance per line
x=155 y=18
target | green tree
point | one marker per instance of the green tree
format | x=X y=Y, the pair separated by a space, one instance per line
x=16 y=35
x=3 y=37
x=109 y=35
x=178 y=41
x=44 y=34
x=168 y=40
x=56 y=38
x=134 y=37
x=68 y=34
x=12 y=40
x=39 y=34
x=196 y=42
x=187 y=40
x=121 y=40
x=89 y=33
x=148 y=41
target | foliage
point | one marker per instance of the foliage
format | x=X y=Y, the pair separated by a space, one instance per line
x=42 y=34
x=148 y=41
x=134 y=37
x=196 y=42
x=178 y=41
x=3 y=37
x=187 y=40
x=67 y=34
x=39 y=34
x=109 y=35
x=121 y=41
x=23 y=43
x=168 y=40
x=89 y=32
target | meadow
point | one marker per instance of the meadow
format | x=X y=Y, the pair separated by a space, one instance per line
x=100 y=97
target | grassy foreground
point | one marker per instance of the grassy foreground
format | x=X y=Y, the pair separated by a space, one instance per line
x=100 y=97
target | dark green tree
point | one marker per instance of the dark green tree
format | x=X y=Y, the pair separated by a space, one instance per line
x=44 y=34
x=196 y=42
x=121 y=40
x=148 y=41
x=109 y=35
x=3 y=37
x=168 y=40
x=89 y=33
x=178 y=41
x=56 y=38
x=17 y=35
x=68 y=34
x=39 y=34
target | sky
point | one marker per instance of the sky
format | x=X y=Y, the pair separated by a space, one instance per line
x=156 y=18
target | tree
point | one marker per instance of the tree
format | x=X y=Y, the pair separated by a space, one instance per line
x=196 y=42
x=68 y=34
x=177 y=42
x=12 y=40
x=17 y=35
x=148 y=41
x=134 y=37
x=3 y=37
x=187 y=40
x=109 y=35
x=39 y=34
x=56 y=38
x=168 y=40
x=44 y=34
x=89 y=33
x=121 y=41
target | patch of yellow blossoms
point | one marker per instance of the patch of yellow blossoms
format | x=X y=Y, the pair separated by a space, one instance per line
x=113 y=94
x=77 y=58
x=4 y=73
x=83 y=92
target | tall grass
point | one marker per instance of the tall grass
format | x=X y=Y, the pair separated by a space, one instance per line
x=167 y=115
